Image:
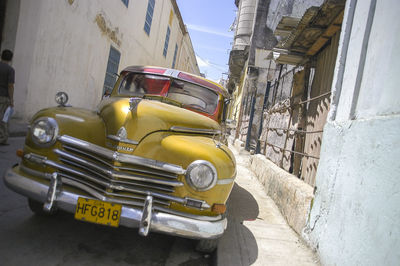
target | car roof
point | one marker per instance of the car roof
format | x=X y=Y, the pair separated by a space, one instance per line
x=179 y=75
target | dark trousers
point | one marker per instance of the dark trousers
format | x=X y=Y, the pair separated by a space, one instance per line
x=4 y=103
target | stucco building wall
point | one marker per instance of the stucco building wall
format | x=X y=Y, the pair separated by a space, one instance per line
x=355 y=216
x=64 y=46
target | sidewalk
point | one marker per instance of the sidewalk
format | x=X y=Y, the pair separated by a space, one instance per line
x=17 y=128
x=257 y=234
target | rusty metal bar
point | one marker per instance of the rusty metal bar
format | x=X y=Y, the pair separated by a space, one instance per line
x=287 y=73
x=286 y=138
x=295 y=152
x=265 y=102
x=315 y=98
x=296 y=104
x=295 y=130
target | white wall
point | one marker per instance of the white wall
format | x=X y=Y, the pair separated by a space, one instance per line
x=355 y=217
x=10 y=25
x=64 y=47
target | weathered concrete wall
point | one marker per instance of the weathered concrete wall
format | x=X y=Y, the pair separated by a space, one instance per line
x=355 y=216
x=64 y=46
x=293 y=8
x=10 y=25
x=292 y=196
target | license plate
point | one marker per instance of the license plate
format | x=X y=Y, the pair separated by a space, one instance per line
x=99 y=212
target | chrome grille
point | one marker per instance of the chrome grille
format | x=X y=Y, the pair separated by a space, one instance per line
x=120 y=157
x=129 y=184
x=115 y=177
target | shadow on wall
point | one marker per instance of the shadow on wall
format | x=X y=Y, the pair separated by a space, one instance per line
x=238 y=245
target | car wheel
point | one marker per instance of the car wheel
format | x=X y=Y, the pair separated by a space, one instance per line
x=37 y=208
x=207 y=245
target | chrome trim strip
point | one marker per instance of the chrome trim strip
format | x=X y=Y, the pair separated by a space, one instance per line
x=118 y=139
x=120 y=157
x=119 y=168
x=115 y=174
x=195 y=130
x=168 y=189
x=170 y=72
x=29 y=171
x=130 y=217
x=225 y=181
x=82 y=185
x=188 y=215
x=91 y=189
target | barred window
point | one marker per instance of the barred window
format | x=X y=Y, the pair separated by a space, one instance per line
x=175 y=53
x=166 y=42
x=126 y=2
x=149 y=16
x=112 y=70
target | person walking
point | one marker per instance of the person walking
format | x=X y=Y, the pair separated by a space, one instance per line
x=7 y=79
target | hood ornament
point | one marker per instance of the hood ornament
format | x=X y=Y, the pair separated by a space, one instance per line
x=133 y=103
x=122 y=134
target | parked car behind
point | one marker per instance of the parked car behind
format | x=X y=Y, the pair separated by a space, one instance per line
x=152 y=156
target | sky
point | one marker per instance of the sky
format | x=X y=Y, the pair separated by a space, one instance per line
x=208 y=23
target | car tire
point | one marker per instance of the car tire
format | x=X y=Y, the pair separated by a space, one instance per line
x=207 y=245
x=37 y=208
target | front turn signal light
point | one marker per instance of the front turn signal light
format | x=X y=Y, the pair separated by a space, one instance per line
x=20 y=153
x=219 y=208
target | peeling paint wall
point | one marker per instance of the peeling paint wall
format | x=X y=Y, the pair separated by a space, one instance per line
x=10 y=24
x=64 y=46
x=355 y=217
x=106 y=28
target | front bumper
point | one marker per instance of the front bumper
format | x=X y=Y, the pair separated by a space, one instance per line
x=145 y=219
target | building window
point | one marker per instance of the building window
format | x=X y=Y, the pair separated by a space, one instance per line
x=112 y=70
x=166 y=42
x=149 y=16
x=174 y=60
x=126 y=2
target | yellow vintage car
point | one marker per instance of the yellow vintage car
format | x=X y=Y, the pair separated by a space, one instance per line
x=152 y=156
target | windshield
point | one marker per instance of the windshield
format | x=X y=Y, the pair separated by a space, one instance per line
x=190 y=95
x=138 y=85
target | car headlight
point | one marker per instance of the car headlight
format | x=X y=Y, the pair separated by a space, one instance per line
x=201 y=175
x=44 y=131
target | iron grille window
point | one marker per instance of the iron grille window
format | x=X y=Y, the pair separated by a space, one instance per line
x=112 y=70
x=149 y=16
x=166 y=41
x=174 y=60
x=126 y=2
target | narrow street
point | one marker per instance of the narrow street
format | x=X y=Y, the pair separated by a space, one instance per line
x=128 y=103
x=257 y=234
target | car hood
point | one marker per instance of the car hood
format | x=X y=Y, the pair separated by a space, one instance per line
x=148 y=116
